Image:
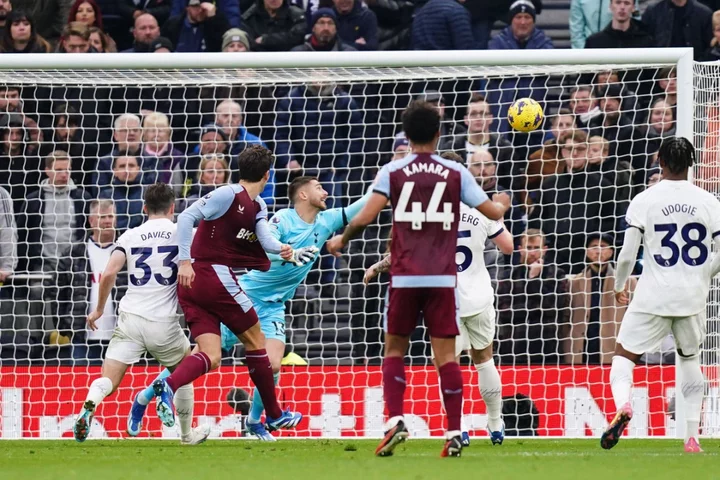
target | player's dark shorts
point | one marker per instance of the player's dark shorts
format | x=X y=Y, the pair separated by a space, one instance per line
x=438 y=307
x=216 y=297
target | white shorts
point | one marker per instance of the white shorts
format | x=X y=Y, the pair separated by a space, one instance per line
x=644 y=332
x=134 y=335
x=476 y=331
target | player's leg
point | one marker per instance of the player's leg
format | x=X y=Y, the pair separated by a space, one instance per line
x=113 y=372
x=689 y=334
x=441 y=317
x=461 y=344
x=401 y=316
x=639 y=333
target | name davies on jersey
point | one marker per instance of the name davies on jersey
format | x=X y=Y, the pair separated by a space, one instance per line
x=435 y=168
x=148 y=236
x=245 y=234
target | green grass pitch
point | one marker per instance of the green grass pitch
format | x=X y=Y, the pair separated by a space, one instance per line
x=353 y=459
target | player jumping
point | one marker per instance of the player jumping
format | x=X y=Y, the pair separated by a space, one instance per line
x=676 y=221
x=233 y=232
x=148 y=312
x=425 y=191
x=307 y=226
x=477 y=315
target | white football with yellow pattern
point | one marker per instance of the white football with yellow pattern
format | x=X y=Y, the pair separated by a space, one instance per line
x=525 y=115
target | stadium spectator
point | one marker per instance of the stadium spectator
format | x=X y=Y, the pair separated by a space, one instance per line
x=532 y=306
x=8 y=239
x=394 y=22
x=323 y=36
x=5 y=9
x=521 y=34
x=546 y=161
x=229 y=8
x=616 y=172
x=712 y=54
x=49 y=15
x=442 y=25
x=484 y=168
x=198 y=29
x=126 y=191
x=34 y=136
x=401 y=147
x=212 y=141
x=680 y=23
x=478 y=119
x=101 y=41
x=81 y=276
x=127 y=138
x=622 y=31
x=319 y=129
x=647 y=138
x=54 y=216
x=613 y=125
x=87 y=12
x=357 y=25
x=78 y=142
x=571 y=203
x=159 y=155
x=588 y=17
x=595 y=317
x=229 y=116
x=20 y=35
x=214 y=172
x=161 y=45
x=583 y=106
x=10 y=101
x=75 y=39
x=145 y=30
x=667 y=82
x=274 y=25
x=235 y=40
x=654 y=175
x=450 y=130
x=19 y=172
x=130 y=10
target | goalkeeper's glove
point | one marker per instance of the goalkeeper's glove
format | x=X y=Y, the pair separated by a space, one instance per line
x=304 y=255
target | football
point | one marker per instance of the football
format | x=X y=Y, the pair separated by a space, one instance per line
x=525 y=115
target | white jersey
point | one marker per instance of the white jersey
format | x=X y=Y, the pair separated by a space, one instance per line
x=474 y=286
x=679 y=222
x=152 y=256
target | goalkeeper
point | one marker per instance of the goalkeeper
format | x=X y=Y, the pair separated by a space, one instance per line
x=306 y=226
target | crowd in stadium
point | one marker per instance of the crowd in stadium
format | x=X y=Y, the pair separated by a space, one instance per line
x=74 y=160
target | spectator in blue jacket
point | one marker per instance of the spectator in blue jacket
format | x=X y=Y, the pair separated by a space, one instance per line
x=319 y=129
x=520 y=34
x=229 y=8
x=126 y=190
x=199 y=29
x=356 y=24
x=442 y=25
x=127 y=138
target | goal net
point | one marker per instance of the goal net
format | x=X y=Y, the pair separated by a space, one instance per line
x=80 y=138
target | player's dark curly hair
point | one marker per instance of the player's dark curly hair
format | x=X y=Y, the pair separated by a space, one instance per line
x=159 y=197
x=254 y=162
x=421 y=122
x=677 y=155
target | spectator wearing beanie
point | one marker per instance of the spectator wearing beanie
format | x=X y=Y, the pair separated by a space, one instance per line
x=324 y=36
x=623 y=31
x=522 y=32
x=199 y=29
x=680 y=23
x=356 y=25
x=161 y=45
x=442 y=25
x=235 y=40
x=274 y=25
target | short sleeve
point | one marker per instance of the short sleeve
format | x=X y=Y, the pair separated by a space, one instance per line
x=123 y=243
x=382 y=182
x=278 y=225
x=334 y=219
x=494 y=228
x=263 y=212
x=470 y=192
x=214 y=205
x=715 y=216
x=634 y=217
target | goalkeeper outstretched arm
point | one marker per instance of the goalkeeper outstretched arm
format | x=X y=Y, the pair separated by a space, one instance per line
x=626 y=260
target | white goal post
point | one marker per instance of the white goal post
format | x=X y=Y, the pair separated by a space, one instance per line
x=333 y=321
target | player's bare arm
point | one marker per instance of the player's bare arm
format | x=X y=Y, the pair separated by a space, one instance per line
x=369 y=212
x=504 y=242
x=377 y=268
x=495 y=210
x=107 y=281
x=626 y=260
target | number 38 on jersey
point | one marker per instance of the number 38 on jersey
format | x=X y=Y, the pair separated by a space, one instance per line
x=416 y=216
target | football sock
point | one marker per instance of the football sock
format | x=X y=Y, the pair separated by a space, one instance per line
x=262 y=376
x=621 y=380
x=146 y=396
x=452 y=390
x=192 y=367
x=257 y=408
x=393 y=370
x=491 y=393
x=693 y=389
x=99 y=389
x=184 y=400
